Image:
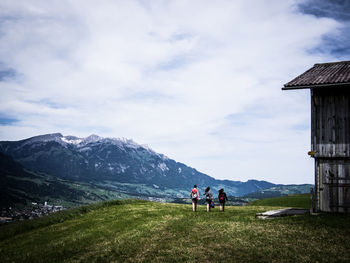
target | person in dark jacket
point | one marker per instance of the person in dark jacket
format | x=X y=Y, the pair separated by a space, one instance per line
x=222 y=199
x=208 y=198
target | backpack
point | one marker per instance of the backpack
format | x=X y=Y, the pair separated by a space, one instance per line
x=209 y=196
x=222 y=197
x=194 y=194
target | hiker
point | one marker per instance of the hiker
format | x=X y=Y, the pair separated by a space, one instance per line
x=222 y=199
x=208 y=198
x=194 y=197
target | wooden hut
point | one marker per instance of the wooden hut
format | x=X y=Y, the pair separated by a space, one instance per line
x=329 y=84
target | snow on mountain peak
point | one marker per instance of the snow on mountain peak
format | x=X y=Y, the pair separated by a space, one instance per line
x=129 y=142
x=44 y=138
x=71 y=140
x=92 y=138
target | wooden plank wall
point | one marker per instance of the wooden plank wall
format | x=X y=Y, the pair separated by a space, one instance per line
x=331 y=124
x=334 y=185
x=330 y=140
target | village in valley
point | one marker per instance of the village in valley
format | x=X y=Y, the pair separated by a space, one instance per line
x=35 y=210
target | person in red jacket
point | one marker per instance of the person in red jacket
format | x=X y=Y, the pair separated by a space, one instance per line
x=194 y=197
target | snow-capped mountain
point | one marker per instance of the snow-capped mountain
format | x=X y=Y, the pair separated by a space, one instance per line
x=121 y=164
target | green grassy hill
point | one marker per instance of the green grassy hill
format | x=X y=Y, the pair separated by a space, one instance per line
x=297 y=201
x=141 y=231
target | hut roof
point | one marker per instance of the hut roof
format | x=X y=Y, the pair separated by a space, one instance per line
x=322 y=75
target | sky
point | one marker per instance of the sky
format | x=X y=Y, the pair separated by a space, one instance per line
x=196 y=80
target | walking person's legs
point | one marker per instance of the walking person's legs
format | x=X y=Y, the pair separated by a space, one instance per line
x=194 y=205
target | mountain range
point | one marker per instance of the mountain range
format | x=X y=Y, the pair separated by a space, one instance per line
x=95 y=168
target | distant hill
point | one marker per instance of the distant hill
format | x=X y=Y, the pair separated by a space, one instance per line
x=20 y=187
x=298 y=201
x=280 y=190
x=96 y=168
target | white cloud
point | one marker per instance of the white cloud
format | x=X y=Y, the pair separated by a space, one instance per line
x=196 y=80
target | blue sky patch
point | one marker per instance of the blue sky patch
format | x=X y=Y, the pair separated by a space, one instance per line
x=7 y=74
x=49 y=103
x=338 y=43
x=7 y=120
x=336 y=9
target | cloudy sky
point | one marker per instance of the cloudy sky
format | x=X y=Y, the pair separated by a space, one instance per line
x=197 y=80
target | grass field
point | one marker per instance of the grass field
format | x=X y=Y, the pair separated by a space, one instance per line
x=297 y=201
x=141 y=231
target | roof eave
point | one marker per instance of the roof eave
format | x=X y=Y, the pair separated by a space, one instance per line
x=315 y=86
